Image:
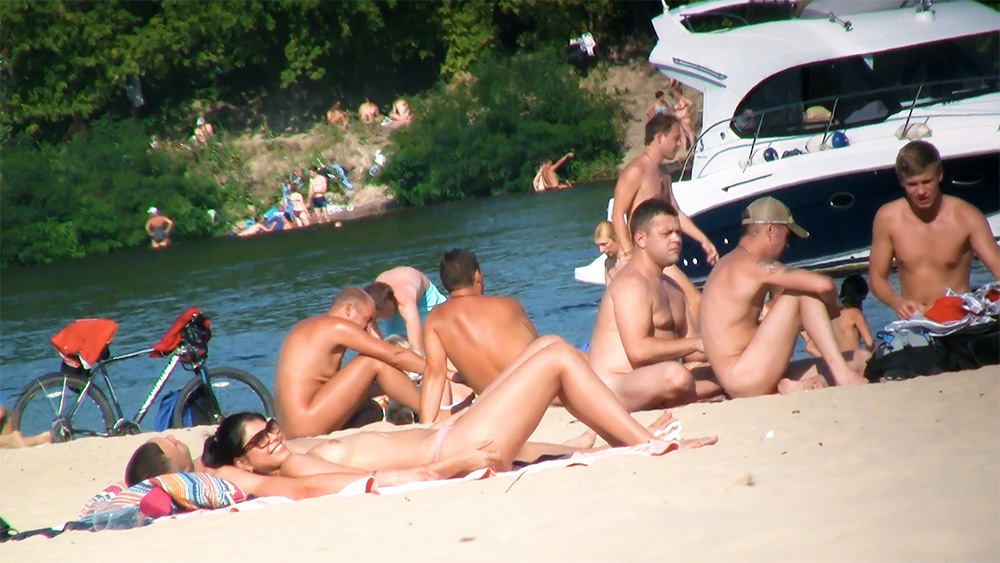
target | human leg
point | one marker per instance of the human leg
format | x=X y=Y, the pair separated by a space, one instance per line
x=657 y=386
x=509 y=411
x=340 y=396
x=766 y=358
x=816 y=322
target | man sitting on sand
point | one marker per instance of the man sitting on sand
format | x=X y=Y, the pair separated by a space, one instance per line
x=403 y=298
x=642 y=180
x=752 y=356
x=480 y=335
x=547 y=179
x=313 y=393
x=933 y=237
x=641 y=335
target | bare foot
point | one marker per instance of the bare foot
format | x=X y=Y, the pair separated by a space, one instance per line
x=699 y=442
x=38 y=439
x=787 y=386
x=849 y=377
x=661 y=423
x=12 y=440
x=584 y=441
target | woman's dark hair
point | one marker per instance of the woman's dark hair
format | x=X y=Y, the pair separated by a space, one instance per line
x=853 y=290
x=226 y=444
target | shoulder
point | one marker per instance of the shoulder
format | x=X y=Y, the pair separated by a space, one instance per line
x=962 y=208
x=627 y=282
x=891 y=210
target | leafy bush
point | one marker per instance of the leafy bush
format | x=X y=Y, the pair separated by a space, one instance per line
x=90 y=195
x=487 y=135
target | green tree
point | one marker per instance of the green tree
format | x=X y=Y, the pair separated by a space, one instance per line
x=487 y=135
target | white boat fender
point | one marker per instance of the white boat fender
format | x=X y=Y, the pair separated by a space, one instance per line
x=914 y=132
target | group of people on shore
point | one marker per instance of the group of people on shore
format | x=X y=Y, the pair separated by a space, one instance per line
x=487 y=377
x=369 y=114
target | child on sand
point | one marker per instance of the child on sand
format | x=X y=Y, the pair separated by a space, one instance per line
x=851 y=324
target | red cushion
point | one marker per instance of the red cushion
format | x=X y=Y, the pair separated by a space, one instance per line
x=172 y=339
x=85 y=338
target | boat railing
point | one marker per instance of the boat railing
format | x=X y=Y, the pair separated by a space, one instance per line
x=892 y=107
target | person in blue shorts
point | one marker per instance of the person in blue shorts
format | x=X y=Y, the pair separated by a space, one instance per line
x=403 y=296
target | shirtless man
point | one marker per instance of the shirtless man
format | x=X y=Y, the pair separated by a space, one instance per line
x=547 y=179
x=641 y=334
x=313 y=393
x=368 y=112
x=317 y=194
x=336 y=117
x=481 y=335
x=752 y=356
x=932 y=237
x=403 y=298
x=641 y=180
x=158 y=228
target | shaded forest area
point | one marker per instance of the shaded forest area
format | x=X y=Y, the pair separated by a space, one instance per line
x=85 y=85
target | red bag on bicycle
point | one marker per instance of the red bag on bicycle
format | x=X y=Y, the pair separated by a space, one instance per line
x=84 y=340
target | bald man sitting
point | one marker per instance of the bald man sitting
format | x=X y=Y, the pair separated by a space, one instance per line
x=314 y=394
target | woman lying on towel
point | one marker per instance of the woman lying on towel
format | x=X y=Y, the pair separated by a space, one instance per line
x=493 y=432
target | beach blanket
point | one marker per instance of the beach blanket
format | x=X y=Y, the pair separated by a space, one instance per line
x=119 y=507
x=184 y=495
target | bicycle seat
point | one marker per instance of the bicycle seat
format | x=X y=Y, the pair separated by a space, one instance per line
x=172 y=339
x=84 y=341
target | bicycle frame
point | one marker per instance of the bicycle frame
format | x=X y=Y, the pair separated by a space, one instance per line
x=172 y=361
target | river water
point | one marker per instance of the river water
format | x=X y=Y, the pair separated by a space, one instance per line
x=256 y=288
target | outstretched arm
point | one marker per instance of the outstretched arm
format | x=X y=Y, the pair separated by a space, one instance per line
x=781 y=277
x=362 y=342
x=406 y=305
x=561 y=161
x=690 y=229
x=294 y=488
x=984 y=246
x=434 y=382
x=625 y=190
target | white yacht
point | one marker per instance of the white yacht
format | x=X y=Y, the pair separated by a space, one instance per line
x=810 y=101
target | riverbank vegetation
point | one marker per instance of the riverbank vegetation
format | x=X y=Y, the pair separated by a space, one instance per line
x=86 y=85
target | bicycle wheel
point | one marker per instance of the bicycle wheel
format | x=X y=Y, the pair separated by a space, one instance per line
x=234 y=389
x=46 y=402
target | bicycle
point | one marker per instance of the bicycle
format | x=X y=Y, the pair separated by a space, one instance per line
x=70 y=403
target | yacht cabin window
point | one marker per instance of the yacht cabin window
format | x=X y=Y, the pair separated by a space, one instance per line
x=868 y=88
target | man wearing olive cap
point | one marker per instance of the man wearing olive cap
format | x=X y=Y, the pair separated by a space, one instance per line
x=748 y=344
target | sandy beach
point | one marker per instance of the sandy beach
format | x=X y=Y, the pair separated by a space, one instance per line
x=896 y=471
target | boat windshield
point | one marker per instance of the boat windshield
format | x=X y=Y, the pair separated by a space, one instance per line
x=865 y=89
x=731 y=17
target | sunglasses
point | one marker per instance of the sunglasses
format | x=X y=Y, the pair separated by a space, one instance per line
x=261 y=439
